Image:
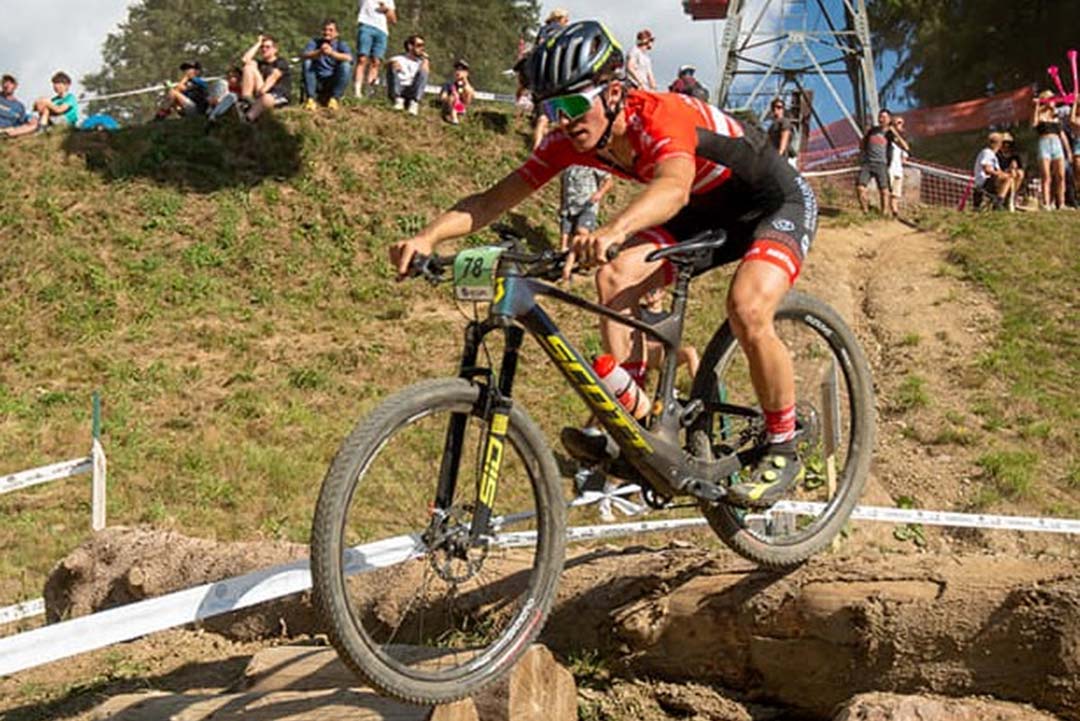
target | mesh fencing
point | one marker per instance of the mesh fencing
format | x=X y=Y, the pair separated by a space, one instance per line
x=924 y=184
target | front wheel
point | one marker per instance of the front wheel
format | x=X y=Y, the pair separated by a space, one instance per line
x=436 y=609
x=835 y=411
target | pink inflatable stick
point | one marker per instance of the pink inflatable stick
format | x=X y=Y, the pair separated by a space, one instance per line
x=1076 y=78
x=1056 y=75
x=1057 y=99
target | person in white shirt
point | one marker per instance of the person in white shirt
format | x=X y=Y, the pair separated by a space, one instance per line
x=407 y=75
x=373 y=31
x=638 y=64
x=900 y=152
x=990 y=179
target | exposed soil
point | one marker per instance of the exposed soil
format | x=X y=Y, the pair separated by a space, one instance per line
x=913 y=316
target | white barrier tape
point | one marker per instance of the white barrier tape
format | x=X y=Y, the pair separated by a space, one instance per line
x=939 y=518
x=124 y=623
x=36 y=476
x=827 y=173
x=19 y=611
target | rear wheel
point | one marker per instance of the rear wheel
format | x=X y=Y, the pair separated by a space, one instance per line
x=435 y=613
x=835 y=410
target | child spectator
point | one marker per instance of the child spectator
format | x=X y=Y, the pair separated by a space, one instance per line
x=327 y=68
x=457 y=94
x=990 y=180
x=374 y=18
x=583 y=188
x=875 y=161
x=224 y=91
x=191 y=94
x=900 y=152
x=14 y=120
x=407 y=75
x=687 y=84
x=638 y=64
x=652 y=311
x=266 y=83
x=61 y=109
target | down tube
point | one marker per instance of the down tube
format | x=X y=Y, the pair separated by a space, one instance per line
x=585 y=381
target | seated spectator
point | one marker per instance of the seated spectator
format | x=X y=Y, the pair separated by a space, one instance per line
x=457 y=94
x=874 y=162
x=14 y=120
x=327 y=68
x=224 y=92
x=191 y=94
x=265 y=83
x=651 y=310
x=687 y=84
x=61 y=109
x=583 y=188
x=1012 y=163
x=990 y=180
x=407 y=75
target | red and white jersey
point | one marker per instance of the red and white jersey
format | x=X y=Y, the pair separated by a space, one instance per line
x=659 y=126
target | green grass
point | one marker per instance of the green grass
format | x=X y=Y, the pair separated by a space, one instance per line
x=1028 y=263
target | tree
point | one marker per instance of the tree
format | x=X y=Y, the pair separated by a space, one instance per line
x=159 y=34
x=960 y=49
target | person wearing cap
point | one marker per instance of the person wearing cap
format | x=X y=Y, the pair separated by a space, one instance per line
x=190 y=95
x=457 y=94
x=1011 y=162
x=638 y=64
x=687 y=84
x=13 y=115
x=327 y=67
x=991 y=181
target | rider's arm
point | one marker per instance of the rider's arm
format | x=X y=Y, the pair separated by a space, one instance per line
x=665 y=195
x=467 y=216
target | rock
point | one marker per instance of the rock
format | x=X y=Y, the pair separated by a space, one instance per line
x=893 y=707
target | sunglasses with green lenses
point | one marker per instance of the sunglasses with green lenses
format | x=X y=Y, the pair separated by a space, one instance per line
x=571 y=106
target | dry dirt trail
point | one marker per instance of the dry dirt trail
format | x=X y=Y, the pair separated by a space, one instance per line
x=847 y=611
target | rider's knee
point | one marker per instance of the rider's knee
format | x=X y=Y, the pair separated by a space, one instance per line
x=609 y=282
x=749 y=314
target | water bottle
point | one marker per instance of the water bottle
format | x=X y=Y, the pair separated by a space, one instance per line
x=622 y=385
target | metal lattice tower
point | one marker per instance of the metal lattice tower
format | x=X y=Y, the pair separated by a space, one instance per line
x=772 y=48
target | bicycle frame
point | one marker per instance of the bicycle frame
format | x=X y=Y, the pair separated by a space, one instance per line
x=656 y=453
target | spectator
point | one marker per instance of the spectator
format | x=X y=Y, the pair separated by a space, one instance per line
x=638 y=64
x=875 y=161
x=782 y=132
x=556 y=21
x=191 y=94
x=266 y=83
x=991 y=181
x=61 y=109
x=224 y=91
x=1051 y=151
x=900 y=151
x=687 y=84
x=327 y=68
x=14 y=120
x=583 y=188
x=651 y=310
x=373 y=30
x=1010 y=161
x=407 y=75
x=457 y=94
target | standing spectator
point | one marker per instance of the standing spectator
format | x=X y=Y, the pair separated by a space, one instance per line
x=875 y=162
x=266 y=83
x=457 y=94
x=191 y=94
x=558 y=19
x=1052 y=146
x=327 y=68
x=1010 y=161
x=782 y=132
x=993 y=182
x=373 y=30
x=407 y=75
x=687 y=84
x=1074 y=125
x=900 y=151
x=14 y=120
x=638 y=64
x=582 y=190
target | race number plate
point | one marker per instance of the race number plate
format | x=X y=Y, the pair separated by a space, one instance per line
x=474 y=273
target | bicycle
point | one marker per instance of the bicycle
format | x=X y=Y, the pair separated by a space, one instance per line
x=481 y=583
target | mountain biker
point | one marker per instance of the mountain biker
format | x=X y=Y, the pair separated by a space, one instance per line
x=702 y=170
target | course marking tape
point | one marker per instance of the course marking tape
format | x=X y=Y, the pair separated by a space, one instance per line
x=64 y=469
x=19 y=611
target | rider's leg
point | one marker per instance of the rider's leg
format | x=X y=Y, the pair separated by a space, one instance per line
x=620 y=285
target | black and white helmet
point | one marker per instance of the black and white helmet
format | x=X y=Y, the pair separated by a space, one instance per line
x=579 y=55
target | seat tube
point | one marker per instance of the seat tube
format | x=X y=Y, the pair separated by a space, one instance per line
x=666 y=391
